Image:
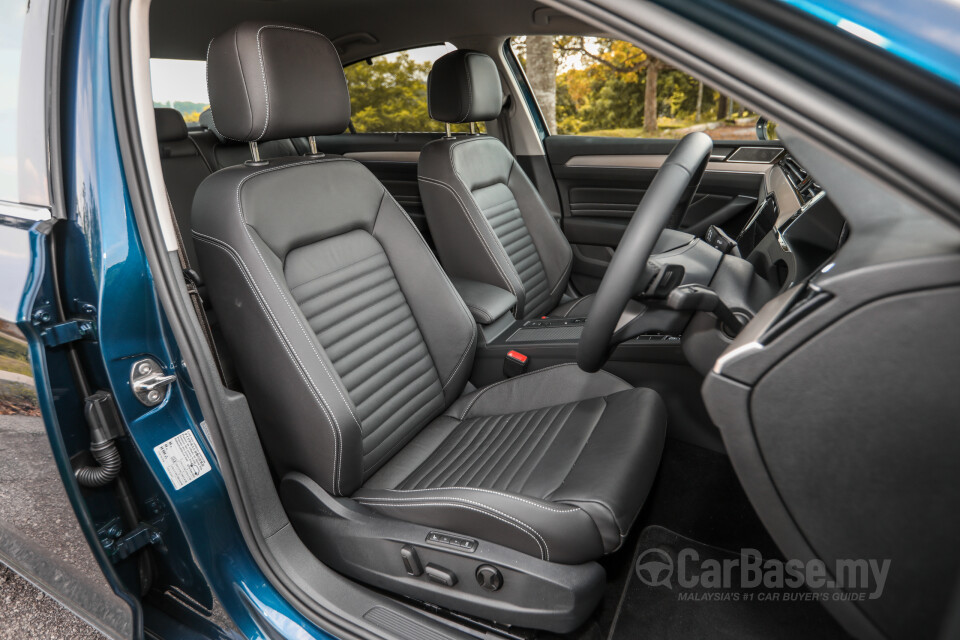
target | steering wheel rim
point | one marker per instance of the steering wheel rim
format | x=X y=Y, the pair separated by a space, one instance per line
x=668 y=196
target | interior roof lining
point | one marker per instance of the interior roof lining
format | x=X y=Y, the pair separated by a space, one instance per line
x=182 y=29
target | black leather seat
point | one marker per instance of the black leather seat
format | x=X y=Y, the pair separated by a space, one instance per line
x=355 y=350
x=486 y=218
x=184 y=168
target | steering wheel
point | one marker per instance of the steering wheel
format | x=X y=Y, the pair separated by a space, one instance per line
x=665 y=201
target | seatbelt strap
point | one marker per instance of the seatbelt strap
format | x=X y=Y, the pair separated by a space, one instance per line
x=191 y=278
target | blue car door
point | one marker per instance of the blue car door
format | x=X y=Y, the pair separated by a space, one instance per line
x=40 y=536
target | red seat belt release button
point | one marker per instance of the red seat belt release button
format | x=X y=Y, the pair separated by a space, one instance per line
x=515 y=363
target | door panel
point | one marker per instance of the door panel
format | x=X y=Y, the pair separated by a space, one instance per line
x=392 y=158
x=601 y=181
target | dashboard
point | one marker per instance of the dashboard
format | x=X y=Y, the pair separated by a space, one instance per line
x=795 y=228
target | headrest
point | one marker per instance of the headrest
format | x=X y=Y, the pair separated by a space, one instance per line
x=170 y=125
x=269 y=81
x=464 y=86
x=206 y=120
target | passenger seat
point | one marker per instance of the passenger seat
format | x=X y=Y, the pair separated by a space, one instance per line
x=184 y=168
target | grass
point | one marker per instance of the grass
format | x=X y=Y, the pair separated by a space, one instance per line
x=14 y=365
x=13 y=356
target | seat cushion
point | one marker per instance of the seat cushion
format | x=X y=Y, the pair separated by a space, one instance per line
x=576 y=308
x=555 y=463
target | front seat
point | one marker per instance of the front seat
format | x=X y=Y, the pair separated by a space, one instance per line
x=355 y=350
x=485 y=216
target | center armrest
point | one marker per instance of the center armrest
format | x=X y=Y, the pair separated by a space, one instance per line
x=486 y=302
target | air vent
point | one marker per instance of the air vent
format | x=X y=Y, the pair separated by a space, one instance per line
x=802 y=182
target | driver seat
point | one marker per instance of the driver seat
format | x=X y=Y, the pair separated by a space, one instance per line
x=355 y=350
x=487 y=219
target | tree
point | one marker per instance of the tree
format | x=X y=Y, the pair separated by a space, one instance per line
x=650 y=98
x=542 y=73
x=390 y=94
x=626 y=62
x=723 y=107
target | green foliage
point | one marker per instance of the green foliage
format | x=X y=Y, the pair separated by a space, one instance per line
x=13 y=356
x=602 y=89
x=390 y=94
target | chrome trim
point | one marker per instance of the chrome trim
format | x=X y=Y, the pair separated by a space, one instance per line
x=733 y=354
x=654 y=161
x=782 y=227
x=24 y=211
x=149 y=383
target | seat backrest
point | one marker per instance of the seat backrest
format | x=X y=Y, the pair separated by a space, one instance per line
x=347 y=335
x=486 y=218
x=184 y=168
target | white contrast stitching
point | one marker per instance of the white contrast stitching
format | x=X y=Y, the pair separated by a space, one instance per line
x=277 y=284
x=476 y=230
x=483 y=509
x=456 y=172
x=505 y=495
x=446 y=279
x=463 y=415
x=486 y=314
x=574 y=306
x=335 y=427
x=266 y=96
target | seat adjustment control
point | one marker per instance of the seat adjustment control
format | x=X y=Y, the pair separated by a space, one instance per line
x=466 y=544
x=411 y=561
x=489 y=577
x=441 y=576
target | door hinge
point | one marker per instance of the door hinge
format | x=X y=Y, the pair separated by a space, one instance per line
x=69 y=331
x=120 y=546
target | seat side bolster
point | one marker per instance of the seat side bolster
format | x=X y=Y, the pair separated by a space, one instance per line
x=604 y=482
x=445 y=322
x=552 y=532
x=466 y=244
x=556 y=255
x=291 y=384
x=555 y=385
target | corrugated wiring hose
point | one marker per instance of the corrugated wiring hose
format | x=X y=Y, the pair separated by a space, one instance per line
x=106 y=469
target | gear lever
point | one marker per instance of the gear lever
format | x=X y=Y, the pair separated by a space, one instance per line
x=695 y=297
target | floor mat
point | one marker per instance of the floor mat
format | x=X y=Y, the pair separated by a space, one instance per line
x=669 y=599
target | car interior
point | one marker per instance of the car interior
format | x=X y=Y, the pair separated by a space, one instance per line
x=489 y=370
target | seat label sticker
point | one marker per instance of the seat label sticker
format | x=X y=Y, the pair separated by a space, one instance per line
x=182 y=459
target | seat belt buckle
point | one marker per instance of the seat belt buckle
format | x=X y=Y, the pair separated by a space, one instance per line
x=515 y=363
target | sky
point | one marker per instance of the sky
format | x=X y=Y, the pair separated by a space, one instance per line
x=186 y=80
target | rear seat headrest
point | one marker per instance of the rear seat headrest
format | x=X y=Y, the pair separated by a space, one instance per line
x=464 y=86
x=206 y=120
x=170 y=125
x=269 y=81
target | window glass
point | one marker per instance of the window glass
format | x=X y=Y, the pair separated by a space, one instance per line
x=605 y=87
x=181 y=85
x=388 y=93
x=12 y=17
